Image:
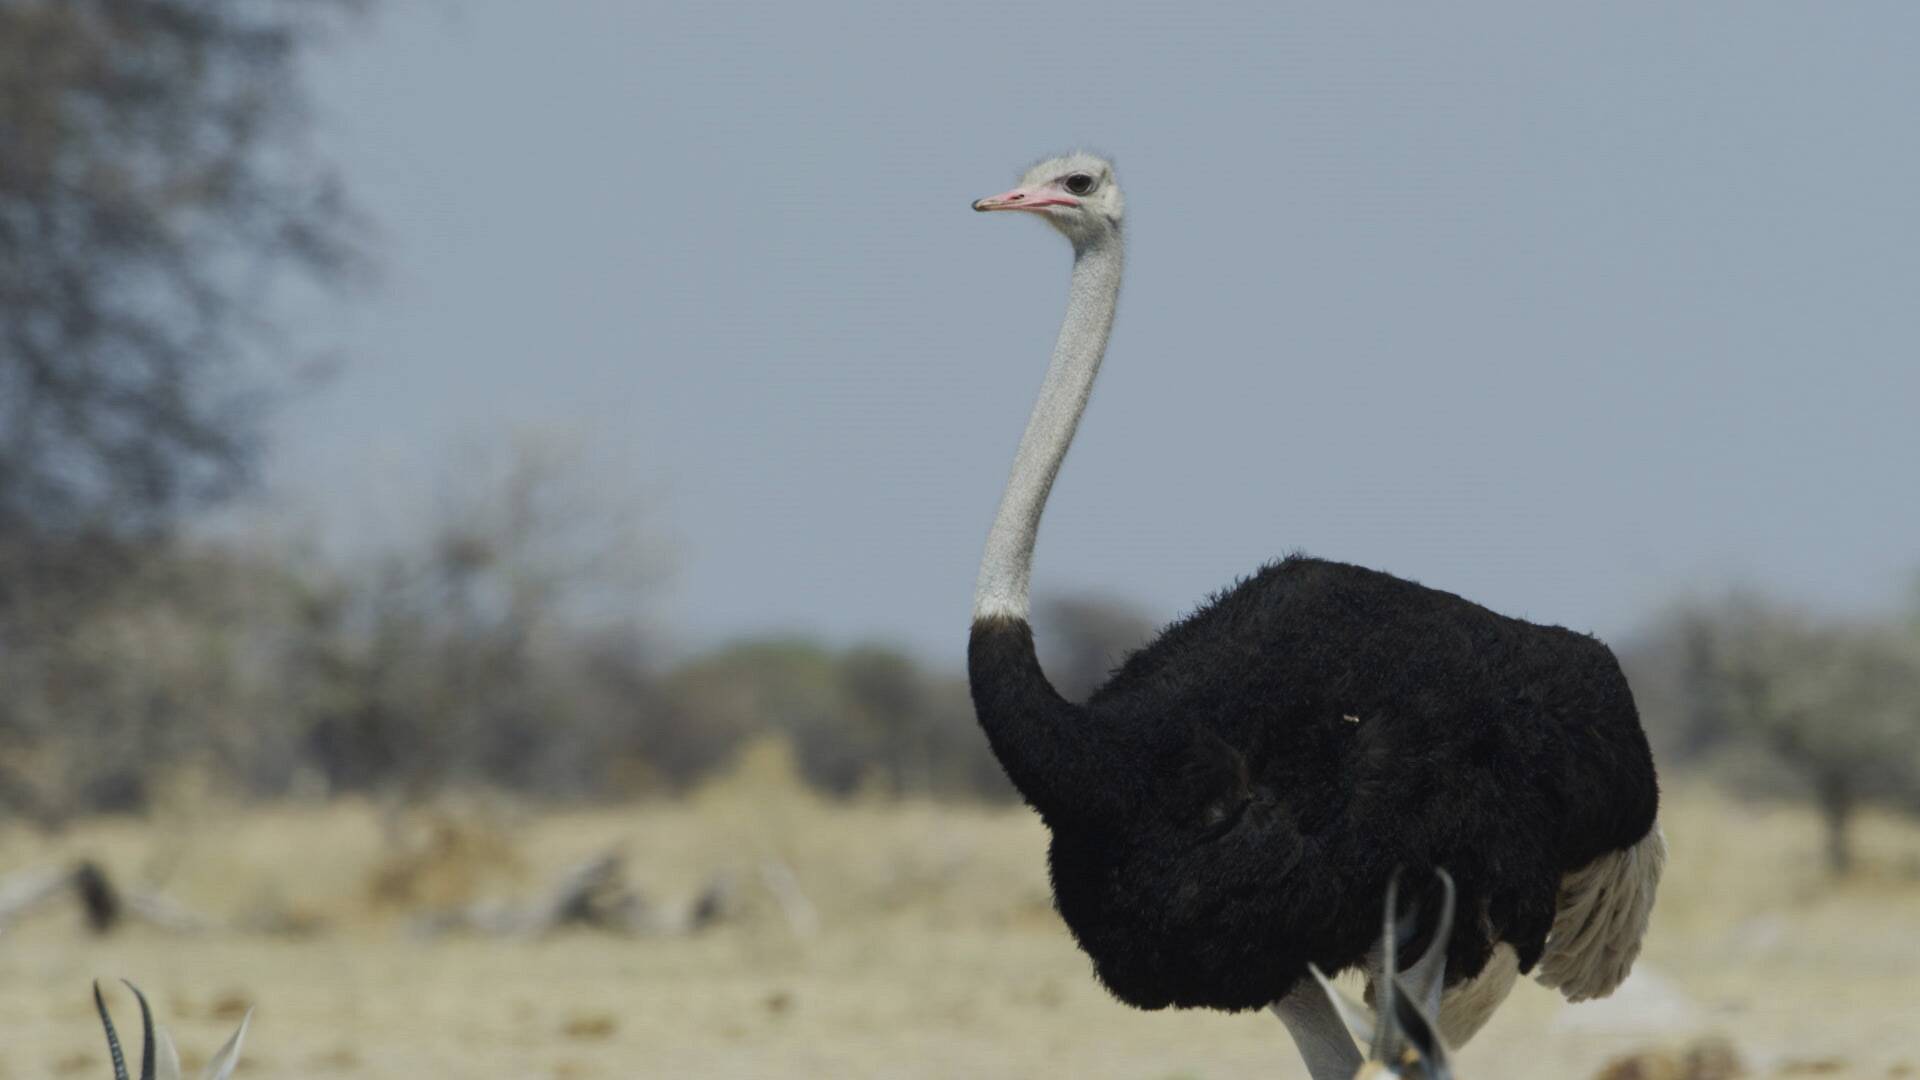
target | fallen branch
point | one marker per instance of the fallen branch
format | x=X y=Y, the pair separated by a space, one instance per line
x=802 y=917
x=104 y=905
x=594 y=895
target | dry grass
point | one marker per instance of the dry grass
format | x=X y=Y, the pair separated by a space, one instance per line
x=937 y=954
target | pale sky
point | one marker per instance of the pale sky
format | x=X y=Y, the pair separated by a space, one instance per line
x=1567 y=308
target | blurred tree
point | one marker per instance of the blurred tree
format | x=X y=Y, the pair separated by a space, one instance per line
x=154 y=193
x=156 y=200
x=1835 y=704
x=888 y=698
x=788 y=685
x=917 y=726
x=1667 y=662
x=865 y=716
x=183 y=663
x=502 y=644
x=1083 y=637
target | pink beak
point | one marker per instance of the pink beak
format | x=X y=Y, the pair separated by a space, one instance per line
x=1025 y=199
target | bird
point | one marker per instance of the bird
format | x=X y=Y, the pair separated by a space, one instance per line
x=1224 y=809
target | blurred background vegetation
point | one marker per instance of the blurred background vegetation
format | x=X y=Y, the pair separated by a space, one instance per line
x=159 y=199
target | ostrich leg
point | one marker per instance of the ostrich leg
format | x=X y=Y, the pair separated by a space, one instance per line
x=1319 y=1034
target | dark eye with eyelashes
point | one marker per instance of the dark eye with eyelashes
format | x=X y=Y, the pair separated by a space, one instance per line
x=1079 y=183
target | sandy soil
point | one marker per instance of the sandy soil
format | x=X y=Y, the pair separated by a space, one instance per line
x=936 y=953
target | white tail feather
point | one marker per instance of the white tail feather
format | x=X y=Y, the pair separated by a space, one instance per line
x=1603 y=912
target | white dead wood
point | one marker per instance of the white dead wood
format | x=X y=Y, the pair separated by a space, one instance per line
x=802 y=917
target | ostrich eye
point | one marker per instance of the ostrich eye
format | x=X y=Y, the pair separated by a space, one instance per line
x=1214 y=785
x=1219 y=818
x=1079 y=183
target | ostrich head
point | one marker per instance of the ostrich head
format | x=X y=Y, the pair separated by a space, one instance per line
x=1075 y=194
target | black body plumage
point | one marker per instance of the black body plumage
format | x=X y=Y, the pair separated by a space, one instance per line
x=1231 y=805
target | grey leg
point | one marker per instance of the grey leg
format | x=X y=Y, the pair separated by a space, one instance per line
x=1318 y=1033
x=1424 y=979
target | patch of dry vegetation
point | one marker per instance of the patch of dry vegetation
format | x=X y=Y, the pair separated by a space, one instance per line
x=936 y=952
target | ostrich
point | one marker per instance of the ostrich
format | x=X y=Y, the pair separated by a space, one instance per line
x=1225 y=808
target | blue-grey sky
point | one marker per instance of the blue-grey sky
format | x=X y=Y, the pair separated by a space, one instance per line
x=1563 y=307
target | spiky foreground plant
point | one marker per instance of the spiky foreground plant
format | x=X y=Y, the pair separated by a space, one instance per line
x=1401 y=1033
x=158 y=1059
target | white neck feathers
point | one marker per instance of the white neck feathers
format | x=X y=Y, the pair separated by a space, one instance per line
x=1005 y=571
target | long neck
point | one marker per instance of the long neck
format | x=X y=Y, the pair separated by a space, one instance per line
x=1005 y=571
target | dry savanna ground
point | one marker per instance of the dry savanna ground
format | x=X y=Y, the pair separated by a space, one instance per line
x=935 y=952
